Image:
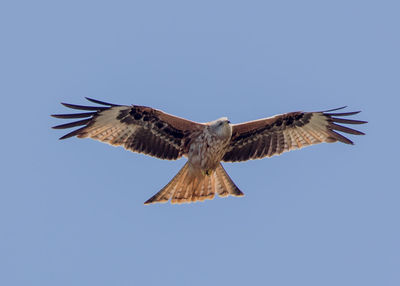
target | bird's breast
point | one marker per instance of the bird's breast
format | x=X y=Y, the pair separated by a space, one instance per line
x=206 y=152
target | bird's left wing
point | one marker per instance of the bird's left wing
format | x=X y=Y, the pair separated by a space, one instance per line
x=137 y=128
x=274 y=135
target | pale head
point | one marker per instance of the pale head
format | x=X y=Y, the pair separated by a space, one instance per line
x=221 y=127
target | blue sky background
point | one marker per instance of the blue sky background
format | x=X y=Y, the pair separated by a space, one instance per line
x=72 y=213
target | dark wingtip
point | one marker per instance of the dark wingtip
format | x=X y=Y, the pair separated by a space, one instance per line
x=334 y=109
x=343 y=113
x=93 y=111
x=83 y=107
x=100 y=102
x=64 y=137
x=346 y=121
x=73 y=133
x=72 y=124
x=335 y=122
x=65 y=104
x=74 y=115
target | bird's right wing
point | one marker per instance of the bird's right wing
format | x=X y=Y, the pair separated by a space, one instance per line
x=274 y=135
x=137 y=128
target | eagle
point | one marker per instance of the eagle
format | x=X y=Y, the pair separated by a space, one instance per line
x=153 y=132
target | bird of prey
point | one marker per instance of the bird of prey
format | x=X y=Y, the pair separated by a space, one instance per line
x=156 y=133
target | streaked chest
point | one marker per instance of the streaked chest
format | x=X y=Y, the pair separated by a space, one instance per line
x=206 y=151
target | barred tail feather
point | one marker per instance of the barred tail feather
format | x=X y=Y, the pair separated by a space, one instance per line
x=166 y=193
x=227 y=186
x=188 y=186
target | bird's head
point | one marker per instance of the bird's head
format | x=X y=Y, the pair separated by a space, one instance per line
x=221 y=127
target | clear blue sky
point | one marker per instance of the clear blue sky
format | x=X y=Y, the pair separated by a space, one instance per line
x=72 y=213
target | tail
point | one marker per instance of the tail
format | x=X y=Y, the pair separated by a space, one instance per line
x=188 y=186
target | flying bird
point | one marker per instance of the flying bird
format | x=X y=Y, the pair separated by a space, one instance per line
x=156 y=133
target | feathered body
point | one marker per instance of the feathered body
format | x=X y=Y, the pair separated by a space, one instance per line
x=150 y=131
x=203 y=175
x=209 y=146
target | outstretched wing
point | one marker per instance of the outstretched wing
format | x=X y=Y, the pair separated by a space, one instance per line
x=274 y=135
x=137 y=128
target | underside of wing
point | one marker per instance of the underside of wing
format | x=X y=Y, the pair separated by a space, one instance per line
x=281 y=133
x=137 y=128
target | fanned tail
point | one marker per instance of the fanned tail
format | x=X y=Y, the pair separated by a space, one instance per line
x=190 y=186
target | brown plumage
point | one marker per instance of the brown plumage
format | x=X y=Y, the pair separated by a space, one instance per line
x=274 y=135
x=150 y=131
